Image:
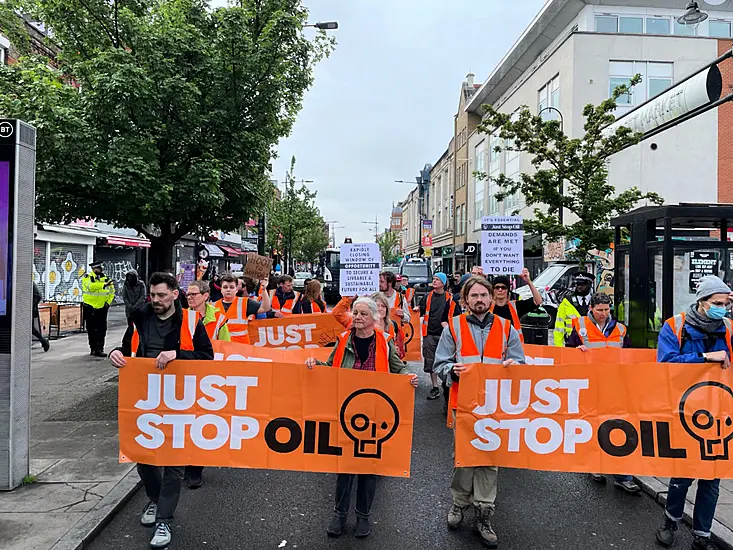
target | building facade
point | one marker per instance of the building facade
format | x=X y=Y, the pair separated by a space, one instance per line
x=574 y=54
x=441 y=208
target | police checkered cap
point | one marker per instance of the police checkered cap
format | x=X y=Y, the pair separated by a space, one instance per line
x=581 y=278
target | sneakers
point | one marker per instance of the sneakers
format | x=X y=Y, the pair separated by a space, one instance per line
x=665 y=535
x=703 y=543
x=363 y=528
x=148 y=517
x=161 y=537
x=336 y=527
x=598 y=478
x=434 y=393
x=628 y=486
x=484 y=529
x=455 y=516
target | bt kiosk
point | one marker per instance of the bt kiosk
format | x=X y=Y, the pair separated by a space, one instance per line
x=17 y=200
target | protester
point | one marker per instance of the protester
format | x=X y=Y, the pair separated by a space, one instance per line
x=162 y=331
x=476 y=336
x=573 y=306
x=387 y=324
x=436 y=309
x=477 y=270
x=397 y=304
x=311 y=301
x=513 y=310
x=238 y=310
x=455 y=283
x=599 y=330
x=408 y=291
x=702 y=334
x=214 y=319
x=134 y=294
x=36 y=321
x=98 y=293
x=284 y=297
x=361 y=348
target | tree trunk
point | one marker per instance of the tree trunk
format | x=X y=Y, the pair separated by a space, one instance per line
x=161 y=254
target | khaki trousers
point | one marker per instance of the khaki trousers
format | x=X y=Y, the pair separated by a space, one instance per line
x=475 y=484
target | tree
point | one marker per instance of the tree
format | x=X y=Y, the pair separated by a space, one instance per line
x=571 y=174
x=296 y=217
x=161 y=115
x=388 y=242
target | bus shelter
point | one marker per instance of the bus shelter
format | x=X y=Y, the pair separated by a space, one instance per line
x=660 y=254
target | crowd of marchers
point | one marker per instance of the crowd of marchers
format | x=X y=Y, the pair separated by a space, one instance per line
x=473 y=320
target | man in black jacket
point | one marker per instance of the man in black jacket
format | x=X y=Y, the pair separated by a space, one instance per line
x=161 y=331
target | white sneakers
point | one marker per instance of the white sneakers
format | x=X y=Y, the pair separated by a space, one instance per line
x=148 y=517
x=161 y=537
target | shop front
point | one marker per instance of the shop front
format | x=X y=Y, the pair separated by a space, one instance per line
x=119 y=254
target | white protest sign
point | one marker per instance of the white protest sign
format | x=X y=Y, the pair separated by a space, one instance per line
x=360 y=265
x=502 y=245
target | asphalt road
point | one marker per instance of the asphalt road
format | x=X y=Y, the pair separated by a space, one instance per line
x=258 y=509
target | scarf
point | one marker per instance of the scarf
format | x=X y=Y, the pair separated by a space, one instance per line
x=701 y=322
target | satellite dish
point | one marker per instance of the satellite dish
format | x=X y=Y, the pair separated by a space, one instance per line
x=716 y=2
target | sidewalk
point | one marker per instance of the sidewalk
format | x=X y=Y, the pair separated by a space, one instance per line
x=74 y=448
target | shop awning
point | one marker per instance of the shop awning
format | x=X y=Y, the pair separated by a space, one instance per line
x=230 y=250
x=123 y=240
x=249 y=247
x=213 y=250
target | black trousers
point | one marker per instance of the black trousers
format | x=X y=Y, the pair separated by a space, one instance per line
x=366 y=487
x=96 y=323
x=163 y=487
x=36 y=331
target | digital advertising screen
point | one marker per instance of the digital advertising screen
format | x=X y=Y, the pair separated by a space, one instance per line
x=4 y=221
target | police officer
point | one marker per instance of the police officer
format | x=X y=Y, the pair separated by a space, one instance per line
x=572 y=307
x=99 y=292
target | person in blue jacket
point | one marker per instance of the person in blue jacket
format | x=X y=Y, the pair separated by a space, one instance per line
x=702 y=334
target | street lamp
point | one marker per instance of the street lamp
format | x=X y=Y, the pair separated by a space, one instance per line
x=692 y=16
x=327 y=26
x=291 y=200
x=561 y=184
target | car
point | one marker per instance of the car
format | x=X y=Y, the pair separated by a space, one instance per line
x=299 y=279
x=420 y=274
x=393 y=268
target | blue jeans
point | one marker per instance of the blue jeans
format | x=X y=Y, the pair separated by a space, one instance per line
x=706 y=500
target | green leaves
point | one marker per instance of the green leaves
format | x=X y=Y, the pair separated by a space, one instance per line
x=569 y=173
x=388 y=242
x=163 y=114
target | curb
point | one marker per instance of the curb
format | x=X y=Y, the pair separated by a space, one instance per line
x=98 y=517
x=721 y=534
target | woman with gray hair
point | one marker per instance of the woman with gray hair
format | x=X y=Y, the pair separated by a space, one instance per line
x=363 y=347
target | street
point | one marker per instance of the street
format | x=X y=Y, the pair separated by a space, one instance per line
x=262 y=509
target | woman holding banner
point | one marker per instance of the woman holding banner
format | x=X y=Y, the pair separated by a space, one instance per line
x=477 y=336
x=311 y=300
x=363 y=347
x=387 y=324
x=702 y=334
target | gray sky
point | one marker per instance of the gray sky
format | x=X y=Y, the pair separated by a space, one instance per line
x=382 y=105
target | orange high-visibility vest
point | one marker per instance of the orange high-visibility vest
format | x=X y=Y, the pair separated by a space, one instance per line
x=678 y=321
x=237 y=321
x=425 y=319
x=381 y=361
x=260 y=293
x=592 y=337
x=515 y=317
x=188 y=329
x=409 y=294
x=315 y=308
x=287 y=307
x=213 y=327
x=494 y=351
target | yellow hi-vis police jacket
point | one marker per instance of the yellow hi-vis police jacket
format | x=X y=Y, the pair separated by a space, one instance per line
x=96 y=294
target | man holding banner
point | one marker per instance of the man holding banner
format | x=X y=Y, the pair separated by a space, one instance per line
x=476 y=336
x=361 y=348
x=702 y=334
x=164 y=332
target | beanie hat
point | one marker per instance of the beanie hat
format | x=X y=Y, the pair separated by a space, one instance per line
x=442 y=277
x=502 y=280
x=709 y=285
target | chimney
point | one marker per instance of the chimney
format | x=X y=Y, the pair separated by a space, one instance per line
x=469 y=79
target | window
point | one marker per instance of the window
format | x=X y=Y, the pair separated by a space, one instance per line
x=720 y=29
x=655 y=78
x=685 y=30
x=549 y=96
x=478 y=199
x=606 y=23
x=631 y=25
x=657 y=25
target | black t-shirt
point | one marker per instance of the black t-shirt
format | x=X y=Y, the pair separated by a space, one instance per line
x=361 y=347
x=436 y=317
x=156 y=331
x=523 y=307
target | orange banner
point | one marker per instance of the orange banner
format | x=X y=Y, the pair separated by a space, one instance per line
x=266 y=415
x=649 y=419
x=295 y=331
x=551 y=355
x=231 y=351
x=413 y=341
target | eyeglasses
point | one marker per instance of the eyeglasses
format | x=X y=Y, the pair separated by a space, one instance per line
x=190 y=294
x=500 y=287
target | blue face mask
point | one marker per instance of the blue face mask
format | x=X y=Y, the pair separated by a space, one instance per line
x=716 y=312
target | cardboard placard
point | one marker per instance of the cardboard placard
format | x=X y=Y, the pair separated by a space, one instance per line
x=257 y=267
